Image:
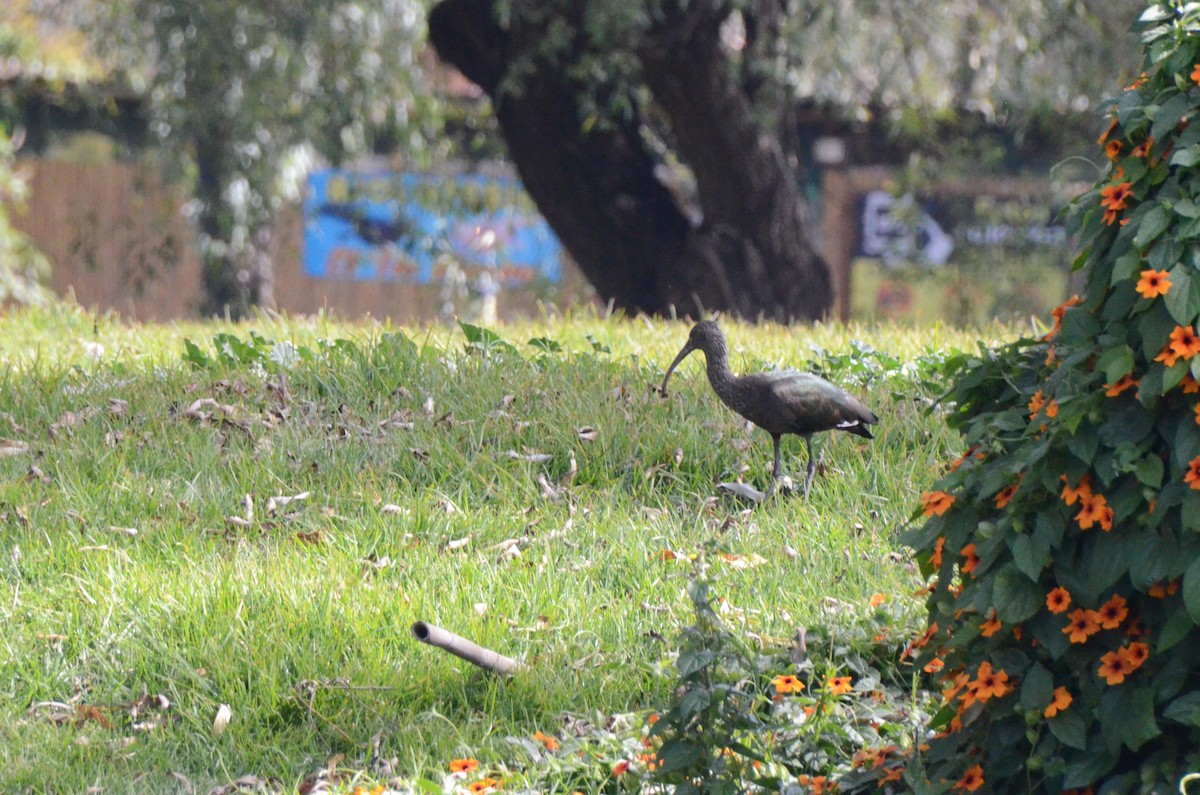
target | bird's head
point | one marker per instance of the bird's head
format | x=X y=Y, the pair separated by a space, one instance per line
x=705 y=336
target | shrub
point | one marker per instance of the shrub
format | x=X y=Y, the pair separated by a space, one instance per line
x=23 y=269
x=1063 y=544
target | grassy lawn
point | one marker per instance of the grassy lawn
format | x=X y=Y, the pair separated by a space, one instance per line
x=522 y=497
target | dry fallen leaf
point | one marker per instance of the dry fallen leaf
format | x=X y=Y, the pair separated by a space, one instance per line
x=311 y=537
x=392 y=508
x=743 y=561
x=529 y=458
x=281 y=501
x=587 y=433
x=11 y=447
x=127 y=531
x=458 y=543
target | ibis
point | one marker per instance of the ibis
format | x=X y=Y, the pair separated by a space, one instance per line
x=779 y=402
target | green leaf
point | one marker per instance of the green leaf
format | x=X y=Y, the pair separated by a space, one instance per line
x=1016 y=597
x=1186 y=157
x=1116 y=362
x=1038 y=688
x=1150 y=471
x=1089 y=769
x=1174 y=630
x=1105 y=562
x=1069 y=727
x=1185 y=709
x=1030 y=554
x=193 y=355
x=1153 y=223
x=1191 y=590
x=1127 y=716
x=546 y=345
x=691 y=662
x=1166 y=116
x=1182 y=299
x=679 y=755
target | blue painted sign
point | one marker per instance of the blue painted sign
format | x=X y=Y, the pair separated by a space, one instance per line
x=409 y=228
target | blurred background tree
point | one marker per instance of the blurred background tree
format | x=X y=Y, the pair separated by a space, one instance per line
x=663 y=139
x=670 y=144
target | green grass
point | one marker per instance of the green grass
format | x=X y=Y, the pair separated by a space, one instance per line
x=299 y=620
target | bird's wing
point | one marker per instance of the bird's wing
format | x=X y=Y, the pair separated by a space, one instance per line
x=807 y=403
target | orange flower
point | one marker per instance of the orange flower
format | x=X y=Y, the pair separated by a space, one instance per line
x=936 y=502
x=1143 y=149
x=838 y=685
x=934 y=665
x=1189 y=385
x=1083 y=624
x=786 y=683
x=1137 y=83
x=971 y=780
x=1113 y=612
x=989 y=683
x=1116 y=197
x=891 y=774
x=936 y=559
x=1112 y=126
x=972 y=451
x=1153 y=283
x=1004 y=497
x=1137 y=654
x=463 y=765
x=1112 y=150
x=546 y=740
x=1124 y=383
x=1196 y=74
x=483 y=785
x=1058 y=600
x=1052 y=408
x=1081 y=492
x=1095 y=509
x=1062 y=700
x=1184 y=342
x=878 y=599
x=620 y=767
x=1167 y=356
x=991 y=626
x=1115 y=665
x=970 y=559
x=956 y=684
x=1058 y=312
x=1035 y=403
x=1192 y=478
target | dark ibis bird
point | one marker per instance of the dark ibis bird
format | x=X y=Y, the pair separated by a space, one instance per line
x=779 y=402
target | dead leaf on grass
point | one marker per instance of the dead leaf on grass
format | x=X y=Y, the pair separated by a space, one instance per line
x=125 y=531
x=393 y=509
x=529 y=458
x=312 y=537
x=749 y=561
x=458 y=543
x=118 y=407
x=587 y=433
x=10 y=447
x=282 y=501
x=36 y=475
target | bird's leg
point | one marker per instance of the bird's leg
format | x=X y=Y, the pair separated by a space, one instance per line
x=774 y=472
x=812 y=467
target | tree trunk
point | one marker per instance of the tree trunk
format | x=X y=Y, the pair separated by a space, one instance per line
x=601 y=189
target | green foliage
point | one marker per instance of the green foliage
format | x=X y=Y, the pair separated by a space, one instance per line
x=23 y=269
x=1059 y=542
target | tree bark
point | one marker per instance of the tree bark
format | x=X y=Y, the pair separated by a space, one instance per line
x=601 y=189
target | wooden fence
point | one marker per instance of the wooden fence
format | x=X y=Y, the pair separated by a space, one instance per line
x=117 y=239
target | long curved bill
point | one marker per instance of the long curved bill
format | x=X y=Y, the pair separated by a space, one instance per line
x=679 y=358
